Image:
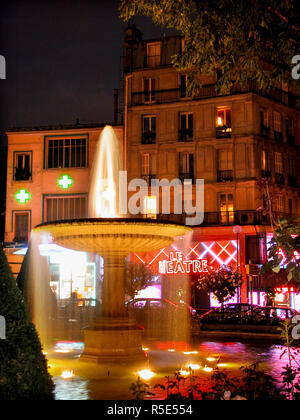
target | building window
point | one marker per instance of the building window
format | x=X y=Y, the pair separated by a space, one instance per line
x=279 y=177
x=226 y=208
x=22 y=166
x=64 y=208
x=149 y=130
x=67 y=153
x=149 y=90
x=277 y=126
x=265 y=123
x=224 y=123
x=278 y=204
x=186 y=167
x=21 y=227
x=186 y=128
x=225 y=172
x=292 y=178
x=290 y=131
x=147 y=168
x=153 y=54
x=266 y=164
x=150 y=207
x=183 y=86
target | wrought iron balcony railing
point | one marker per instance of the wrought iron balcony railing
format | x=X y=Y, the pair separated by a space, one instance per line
x=231 y=218
x=278 y=136
x=209 y=91
x=223 y=132
x=279 y=179
x=185 y=135
x=22 y=175
x=148 y=178
x=266 y=174
x=149 y=137
x=225 y=176
x=184 y=177
x=265 y=131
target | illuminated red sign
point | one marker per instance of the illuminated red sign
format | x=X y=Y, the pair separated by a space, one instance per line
x=178 y=265
x=285 y=290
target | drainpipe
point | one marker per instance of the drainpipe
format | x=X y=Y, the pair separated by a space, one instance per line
x=127 y=77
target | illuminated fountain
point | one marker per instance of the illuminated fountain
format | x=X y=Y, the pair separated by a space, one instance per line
x=113 y=336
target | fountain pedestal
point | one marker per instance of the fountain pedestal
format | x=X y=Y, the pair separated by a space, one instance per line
x=113 y=337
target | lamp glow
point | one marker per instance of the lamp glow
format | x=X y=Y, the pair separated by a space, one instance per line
x=146 y=374
x=67 y=374
x=193 y=366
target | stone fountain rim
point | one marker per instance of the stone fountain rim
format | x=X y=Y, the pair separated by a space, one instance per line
x=100 y=221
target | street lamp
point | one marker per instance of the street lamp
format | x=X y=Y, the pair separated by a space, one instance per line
x=238 y=230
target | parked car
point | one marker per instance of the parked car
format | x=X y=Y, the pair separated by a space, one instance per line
x=274 y=315
x=229 y=313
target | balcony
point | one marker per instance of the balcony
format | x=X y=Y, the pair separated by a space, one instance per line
x=278 y=136
x=185 y=176
x=149 y=137
x=220 y=219
x=265 y=131
x=225 y=176
x=279 y=179
x=171 y=95
x=148 y=178
x=292 y=181
x=209 y=91
x=185 y=135
x=223 y=132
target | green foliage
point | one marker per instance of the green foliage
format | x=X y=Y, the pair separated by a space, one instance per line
x=252 y=384
x=287 y=239
x=223 y=283
x=291 y=385
x=23 y=367
x=140 y=389
x=137 y=277
x=240 y=38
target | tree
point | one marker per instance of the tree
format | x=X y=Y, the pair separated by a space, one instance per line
x=222 y=283
x=23 y=367
x=284 y=248
x=137 y=277
x=242 y=39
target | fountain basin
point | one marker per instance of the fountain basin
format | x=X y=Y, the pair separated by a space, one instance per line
x=110 y=236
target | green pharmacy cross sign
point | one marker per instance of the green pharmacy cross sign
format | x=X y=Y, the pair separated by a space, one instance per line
x=22 y=196
x=65 y=182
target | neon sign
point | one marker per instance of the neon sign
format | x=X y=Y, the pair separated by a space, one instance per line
x=285 y=290
x=22 y=196
x=65 y=182
x=178 y=265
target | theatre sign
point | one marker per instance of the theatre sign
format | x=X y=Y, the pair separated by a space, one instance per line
x=177 y=264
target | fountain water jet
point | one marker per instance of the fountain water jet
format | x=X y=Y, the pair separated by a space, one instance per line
x=112 y=336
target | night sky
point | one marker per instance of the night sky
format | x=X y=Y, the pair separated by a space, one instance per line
x=63 y=60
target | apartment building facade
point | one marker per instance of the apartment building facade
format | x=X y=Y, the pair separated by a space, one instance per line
x=229 y=141
x=48 y=172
